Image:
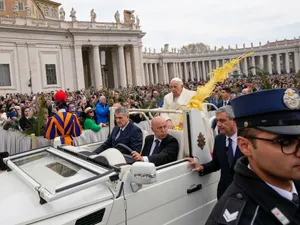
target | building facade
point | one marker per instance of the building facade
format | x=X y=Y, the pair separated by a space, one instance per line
x=280 y=57
x=40 y=9
x=44 y=55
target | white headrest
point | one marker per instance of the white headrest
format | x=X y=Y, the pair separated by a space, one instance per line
x=113 y=156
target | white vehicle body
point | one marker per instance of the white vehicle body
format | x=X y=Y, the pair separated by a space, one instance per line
x=64 y=186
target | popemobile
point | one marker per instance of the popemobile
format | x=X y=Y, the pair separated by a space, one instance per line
x=70 y=185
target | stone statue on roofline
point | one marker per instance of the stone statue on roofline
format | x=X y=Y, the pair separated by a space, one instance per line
x=46 y=11
x=28 y=10
x=62 y=14
x=16 y=9
x=138 y=21
x=93 y=16
x=145 y=49
x=154 y=51
x=132 y=19
x=73 y=15
x=117 y=17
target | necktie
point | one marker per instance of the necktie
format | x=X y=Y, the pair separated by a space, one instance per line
x=295 y=199
x=225 y=103
x=119 y=134
x=229 y=152
x=156 y=147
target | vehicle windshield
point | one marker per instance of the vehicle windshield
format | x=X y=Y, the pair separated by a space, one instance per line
x=52 y=171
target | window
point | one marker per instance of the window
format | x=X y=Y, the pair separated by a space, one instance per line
x=5 y=75
x=51 y=74
x=21 y=6
x=2 y=5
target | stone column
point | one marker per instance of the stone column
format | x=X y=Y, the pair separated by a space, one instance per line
x=179 y=70
x=137 y=66
x=143 y=77
x=161 y=72
x=122 y=70
x=269 y=64
x=210 y=67
x=197 y=71
x=174 y=71
x=186 y=73
x=245 y=64
x=156 y=73
x=79 y=67
x=115 y=67
x=278 y=67
x=253 y=65
x=192 y=71
x=296 y=60
x=167 y=74
x=128 y=62
x=204 y=75
x=151 y=73
x=261 y=62
x=217 y=63
x=287 y=62
x=97 y=68
x=147 y=74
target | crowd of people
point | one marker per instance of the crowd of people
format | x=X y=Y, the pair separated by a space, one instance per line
x=19 y=111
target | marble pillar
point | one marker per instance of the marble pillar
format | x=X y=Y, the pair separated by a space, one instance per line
x=79 y=67
x=287 y=62
x=269 y=60
x=278 y=66
x=137 y=73
x=151 y=73
x=261 y=62
x=156 y=73
x=197 y=71
x=143 y=77
x=122 y=69
x=115 y=67
x=192 y=70
x=210 y=66
x=245 y=67
x=147 y=74
x=97 y=68
x=204 y=75
x=296 y=60
x=253 y=65
x=128 y=63
x=186 y=72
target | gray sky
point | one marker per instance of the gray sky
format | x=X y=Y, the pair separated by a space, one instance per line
x=213 y=22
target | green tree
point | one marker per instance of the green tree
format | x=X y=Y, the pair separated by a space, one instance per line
x=194 y=48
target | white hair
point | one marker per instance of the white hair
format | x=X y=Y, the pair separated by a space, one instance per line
x=177 y=80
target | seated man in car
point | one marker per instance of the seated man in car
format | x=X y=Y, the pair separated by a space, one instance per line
x=160 y=148
x=125 y=133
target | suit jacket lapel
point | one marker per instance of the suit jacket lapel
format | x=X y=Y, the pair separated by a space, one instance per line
x=148 y=145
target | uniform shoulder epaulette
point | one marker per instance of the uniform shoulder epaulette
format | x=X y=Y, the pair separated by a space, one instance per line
x=232 y=210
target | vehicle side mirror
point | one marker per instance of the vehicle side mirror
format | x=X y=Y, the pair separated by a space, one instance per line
x=143 y=173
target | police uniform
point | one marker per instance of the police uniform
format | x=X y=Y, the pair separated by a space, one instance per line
x=249 y=200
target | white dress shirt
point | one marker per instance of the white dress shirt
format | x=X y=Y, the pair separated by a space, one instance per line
x=234 y=142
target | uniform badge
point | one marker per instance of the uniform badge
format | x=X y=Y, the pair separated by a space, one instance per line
x=280 y=216
x=291 y=99
x=230 y=216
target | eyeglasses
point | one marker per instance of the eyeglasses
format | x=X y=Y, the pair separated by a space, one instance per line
x=286 y=143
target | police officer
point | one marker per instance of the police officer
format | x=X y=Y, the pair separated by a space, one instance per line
x=267 y=180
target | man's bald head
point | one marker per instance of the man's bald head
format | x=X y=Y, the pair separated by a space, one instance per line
x=159 y=127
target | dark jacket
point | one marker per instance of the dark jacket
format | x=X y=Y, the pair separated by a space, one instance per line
x=167 y=151
x=24 y=123
x=254 y=201
x=132 y=137
x=220 y=104
x=220 y=162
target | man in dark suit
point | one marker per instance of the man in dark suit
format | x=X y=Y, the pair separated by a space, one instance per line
x=160 y=148
x=225 y=152
x=125 y=132
x=225 y=94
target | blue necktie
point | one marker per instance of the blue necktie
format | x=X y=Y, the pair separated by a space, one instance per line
x=119 y=134
x=229 y=152
x=295 y=199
